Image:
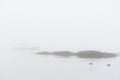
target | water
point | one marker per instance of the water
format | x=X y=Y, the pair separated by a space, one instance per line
x=25 y=65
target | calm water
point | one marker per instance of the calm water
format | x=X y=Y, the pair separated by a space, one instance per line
x=25 y=65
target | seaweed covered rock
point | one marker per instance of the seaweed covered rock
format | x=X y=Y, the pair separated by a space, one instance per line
x=95 y=54
x=43 y=53
x=81 y=54
x=62 y=53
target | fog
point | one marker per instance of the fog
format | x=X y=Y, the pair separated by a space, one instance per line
x=30 y=26
x=60 y=24
x=25 y=65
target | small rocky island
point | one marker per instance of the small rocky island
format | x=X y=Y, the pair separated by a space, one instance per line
x=91 y=54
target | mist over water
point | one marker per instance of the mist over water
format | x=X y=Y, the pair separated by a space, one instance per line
x=61 y=25
x=26 y=65
x=30 y=26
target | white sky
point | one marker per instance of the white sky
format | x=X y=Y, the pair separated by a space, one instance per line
x=61 y=24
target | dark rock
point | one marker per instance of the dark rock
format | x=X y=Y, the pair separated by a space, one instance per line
x=90 y=54
x=62 y=53
x=108 y=64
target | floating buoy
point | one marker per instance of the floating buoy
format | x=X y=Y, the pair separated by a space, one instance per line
x=90 y=63
x=108 y=64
